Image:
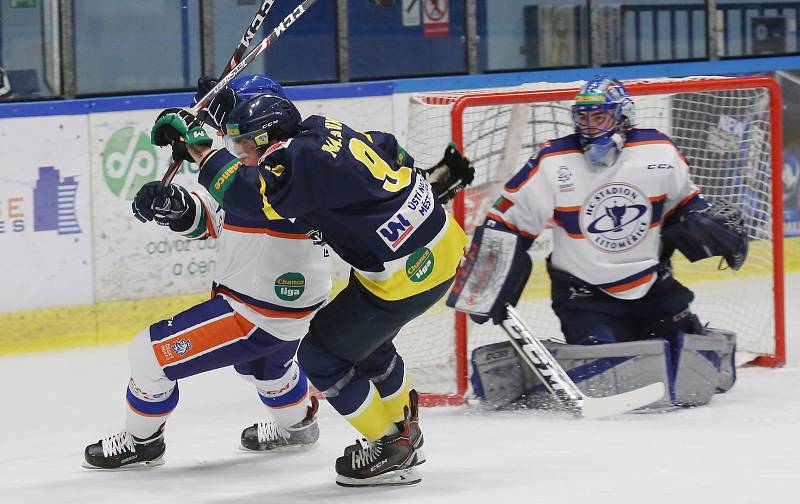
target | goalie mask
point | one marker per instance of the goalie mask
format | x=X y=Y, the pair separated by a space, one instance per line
x=602 y=113
x=259 y=121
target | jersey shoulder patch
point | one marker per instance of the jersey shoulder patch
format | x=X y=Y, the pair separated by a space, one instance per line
x=569 y=144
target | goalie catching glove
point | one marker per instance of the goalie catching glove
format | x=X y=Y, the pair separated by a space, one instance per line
x=179 y=128
x=449 y=175
x=170 y=205
x=716 y=230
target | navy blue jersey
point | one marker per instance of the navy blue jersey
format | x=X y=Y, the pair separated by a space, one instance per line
x=359 y=190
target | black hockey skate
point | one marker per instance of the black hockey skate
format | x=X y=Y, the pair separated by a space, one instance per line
x=415 y=433
x=124 y=450
x=266 y=436
x=387 y=461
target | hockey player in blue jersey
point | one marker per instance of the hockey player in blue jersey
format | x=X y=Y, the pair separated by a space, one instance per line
x=269 y=280
x=361 y=194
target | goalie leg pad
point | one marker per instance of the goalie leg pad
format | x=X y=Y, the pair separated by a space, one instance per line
x=695 y=368
x=499 y=377
x=727 y=368
x=501 y=380
x=698 y=367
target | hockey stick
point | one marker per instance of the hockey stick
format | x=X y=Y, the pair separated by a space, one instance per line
x=249 y=33
x=556 y=380
x=244 y=43
x=240 y=65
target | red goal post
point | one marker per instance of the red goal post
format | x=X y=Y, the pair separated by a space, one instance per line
x=730 y=130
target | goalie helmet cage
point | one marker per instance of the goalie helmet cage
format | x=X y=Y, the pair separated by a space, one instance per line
x=728 y=129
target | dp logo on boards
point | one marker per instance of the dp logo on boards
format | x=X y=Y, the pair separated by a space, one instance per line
x=129 y=161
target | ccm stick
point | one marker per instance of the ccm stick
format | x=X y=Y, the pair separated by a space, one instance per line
x=244 y=43
x=561 y=386
x=240 y=65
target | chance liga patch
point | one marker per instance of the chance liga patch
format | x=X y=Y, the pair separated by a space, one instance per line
x=419 y=264
x=290 y=286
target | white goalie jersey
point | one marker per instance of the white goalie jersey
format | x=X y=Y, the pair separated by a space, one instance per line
x=607 y=221
x=272 y=272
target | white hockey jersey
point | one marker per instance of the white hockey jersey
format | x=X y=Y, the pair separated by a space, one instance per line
x=271 y=272
x=607 y=220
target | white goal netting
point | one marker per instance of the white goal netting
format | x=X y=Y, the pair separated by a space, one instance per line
x=725 y=136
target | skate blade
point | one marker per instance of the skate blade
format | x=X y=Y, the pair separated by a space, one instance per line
x=395 y=478
x=278 y=449
x=130 y=467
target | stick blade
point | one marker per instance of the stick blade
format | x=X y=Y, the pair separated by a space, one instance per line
x=601 y=407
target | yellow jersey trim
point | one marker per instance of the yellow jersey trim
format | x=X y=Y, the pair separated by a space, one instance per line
x=269 y=212
x=395 y=282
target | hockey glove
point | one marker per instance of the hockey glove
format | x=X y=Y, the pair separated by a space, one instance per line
x=178 y=128
x=717 y=230
x=170 y=205
x=449 y=175
x=216 y=112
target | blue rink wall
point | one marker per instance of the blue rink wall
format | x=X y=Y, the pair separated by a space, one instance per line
x=79 y=270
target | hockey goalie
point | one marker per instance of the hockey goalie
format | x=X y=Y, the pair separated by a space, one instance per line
x=622 y=202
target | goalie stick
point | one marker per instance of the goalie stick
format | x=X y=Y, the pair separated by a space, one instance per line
x=235 y=68
x=561 y=386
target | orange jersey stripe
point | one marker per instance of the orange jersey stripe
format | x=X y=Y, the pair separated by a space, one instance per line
x=277 y=234
x=683 y=202
x=152 y=415
x=538 y=163
x=652 y=142
x=202 y=338
x=266 y=311
x=648 y=142
x=210 y=229
x=631 y=284
x=304 y=398
x=512 y=227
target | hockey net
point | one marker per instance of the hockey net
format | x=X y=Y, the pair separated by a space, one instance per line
x=729 y=130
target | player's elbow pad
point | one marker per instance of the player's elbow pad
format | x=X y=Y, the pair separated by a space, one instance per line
x=717 y=230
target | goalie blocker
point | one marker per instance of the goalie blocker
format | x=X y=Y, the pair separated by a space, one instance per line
x=494 y=273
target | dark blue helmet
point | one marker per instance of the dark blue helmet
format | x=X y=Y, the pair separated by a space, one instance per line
x=250 y=86
x=263 y=118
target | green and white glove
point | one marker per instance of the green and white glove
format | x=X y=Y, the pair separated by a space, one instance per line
x=178 y=128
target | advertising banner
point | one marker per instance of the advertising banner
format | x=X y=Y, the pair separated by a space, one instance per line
x=45 y=228
x=136 y=260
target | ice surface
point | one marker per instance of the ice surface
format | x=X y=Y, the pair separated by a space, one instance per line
x=742 y=448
